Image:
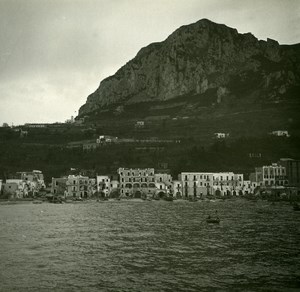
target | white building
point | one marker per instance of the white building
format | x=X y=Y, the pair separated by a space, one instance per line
x=196 y=184
x=280 y=133
x=163 y=184
x=249 y=187
x=136 y=182
x=103 y=185
x=271 y=175
x=80 y=186
x=199 y=184
x=228 y=183
x=221 y=135
x=177 y=188
x=105 y=139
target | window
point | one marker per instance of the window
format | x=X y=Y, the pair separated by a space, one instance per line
x=221 y=177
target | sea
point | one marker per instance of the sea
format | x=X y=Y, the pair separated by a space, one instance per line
x=150 y=246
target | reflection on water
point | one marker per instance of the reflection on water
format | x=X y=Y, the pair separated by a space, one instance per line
x=149 y=246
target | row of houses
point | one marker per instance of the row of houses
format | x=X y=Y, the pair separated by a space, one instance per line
x=145 y=182
x=22 y=185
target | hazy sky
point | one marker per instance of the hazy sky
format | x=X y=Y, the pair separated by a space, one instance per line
x=54 y=53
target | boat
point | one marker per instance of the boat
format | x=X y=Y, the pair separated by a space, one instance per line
x=213 y=220
x=296 y=207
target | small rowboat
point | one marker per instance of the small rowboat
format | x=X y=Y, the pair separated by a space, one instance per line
x=213 y=220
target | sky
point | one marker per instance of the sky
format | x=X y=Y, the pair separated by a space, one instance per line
x=54 y=53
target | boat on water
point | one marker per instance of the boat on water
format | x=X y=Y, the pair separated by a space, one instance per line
x=213 y=220
x=296 y=207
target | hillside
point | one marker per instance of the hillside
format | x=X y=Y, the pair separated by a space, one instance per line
x=209 y=73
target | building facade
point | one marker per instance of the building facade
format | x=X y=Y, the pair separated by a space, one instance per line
x=103 y=185
x=271 y=175
x=74 y=186
x=292 y=167
x=201 y=184
x=135 y=182
x=196 y=184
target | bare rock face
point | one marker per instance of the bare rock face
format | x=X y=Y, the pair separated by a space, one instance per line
x=196 y=58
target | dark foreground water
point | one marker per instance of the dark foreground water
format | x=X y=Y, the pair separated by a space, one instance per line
x=149 y=246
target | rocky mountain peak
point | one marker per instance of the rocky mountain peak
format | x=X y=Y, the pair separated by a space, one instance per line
x=199 y=58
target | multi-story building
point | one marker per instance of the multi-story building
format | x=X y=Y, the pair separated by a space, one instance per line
x=35 y=177
x=135 y=182
x=103 y=185
x=196 y=184
x=199 y=184
x=249 y=187
x=177 y=188
x=271 y=175
x=292 y=167
x=74 y=186
x=59 y=186
x=11 y=190
x=163 y=184
x=227 y=183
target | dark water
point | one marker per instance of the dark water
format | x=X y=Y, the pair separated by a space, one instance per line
x=149 y=246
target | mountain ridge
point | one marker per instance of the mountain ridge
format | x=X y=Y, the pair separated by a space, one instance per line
x=200 y=59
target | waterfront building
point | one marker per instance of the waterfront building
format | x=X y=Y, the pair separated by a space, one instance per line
x=136 y=182
x=11 y=190
x=16 y=189
x=249 y=187
x=103 y=185
x=196 y=184
x=59 y=186
x=292 y=167
x=74 y=186
x=199 y=184
x=227 y=184
x=163 y=184
x=35 y=179
x=177 y=188
x=271 y=175
x=114 y=187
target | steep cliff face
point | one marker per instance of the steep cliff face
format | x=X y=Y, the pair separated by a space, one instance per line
x=199 y=58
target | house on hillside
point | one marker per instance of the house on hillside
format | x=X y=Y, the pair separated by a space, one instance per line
x=221 y=135
x=139 y=124
x=280 y=133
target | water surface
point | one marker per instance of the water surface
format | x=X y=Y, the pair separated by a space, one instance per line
x=149 y=246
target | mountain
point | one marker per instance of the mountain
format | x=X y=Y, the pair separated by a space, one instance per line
x=203 y=70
